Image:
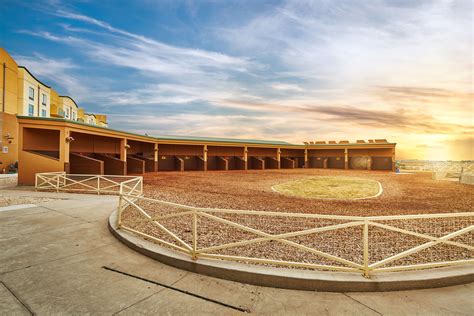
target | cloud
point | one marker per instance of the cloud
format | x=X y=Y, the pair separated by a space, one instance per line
x=58 y=71
x=297 y=71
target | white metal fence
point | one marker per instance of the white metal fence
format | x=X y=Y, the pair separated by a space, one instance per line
x=89 y=183
x=341 y=243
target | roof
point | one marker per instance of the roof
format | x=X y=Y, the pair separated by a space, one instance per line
x=223 y=140
x=66 y=96
x=202 y=139
x=23 y=67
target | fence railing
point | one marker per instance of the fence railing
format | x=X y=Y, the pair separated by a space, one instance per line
x=89 y=183
x=340 y=243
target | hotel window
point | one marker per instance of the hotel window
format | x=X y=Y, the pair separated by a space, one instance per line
x=44 y=99
x=67 y=113
x=74 y=116
x=43 y=113
x=31 y=110
x=31 y=93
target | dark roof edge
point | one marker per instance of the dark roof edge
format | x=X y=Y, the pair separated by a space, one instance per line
x=66 y=96
x=34 y=77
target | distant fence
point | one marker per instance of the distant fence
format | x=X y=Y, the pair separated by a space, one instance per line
x=89 y=183
x=339 y=243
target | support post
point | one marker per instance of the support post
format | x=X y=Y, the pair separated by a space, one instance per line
x=278 y=158
x=306 y=164
x=393 y=159
x=64 y=146
x=346 y=159
x=204 y=155
x=155 y=157
x=123 y=149
x=246 y=157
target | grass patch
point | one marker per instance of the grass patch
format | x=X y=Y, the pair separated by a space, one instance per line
x=330 y=188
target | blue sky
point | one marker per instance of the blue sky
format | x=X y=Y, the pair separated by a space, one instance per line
x=288 y=70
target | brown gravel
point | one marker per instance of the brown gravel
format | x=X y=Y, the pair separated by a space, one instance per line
x=403 y=193
x=251 y=190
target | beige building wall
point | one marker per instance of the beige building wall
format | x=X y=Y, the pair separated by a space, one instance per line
x=90 y=119
x=34 y=97
x=69 y=107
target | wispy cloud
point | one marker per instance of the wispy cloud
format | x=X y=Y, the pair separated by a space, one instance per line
x=56 y=71
x=299 y=70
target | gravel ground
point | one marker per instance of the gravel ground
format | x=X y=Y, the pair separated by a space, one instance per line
x=251 y=190
x=403 y=193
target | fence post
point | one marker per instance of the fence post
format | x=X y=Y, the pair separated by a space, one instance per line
x=120 y=206
x=366 y=249
x=36 y=182
x=57 y=183
x=98 y=185
x=194 y=254
x=141 y=185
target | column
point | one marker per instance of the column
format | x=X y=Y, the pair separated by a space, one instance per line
x=205 y=157
x=123 y=149
x=246 y=157
x=155 y=157
x=346 y=159
x=64 y=147
x=306 y=164
x=393 y=159
x=278 y=158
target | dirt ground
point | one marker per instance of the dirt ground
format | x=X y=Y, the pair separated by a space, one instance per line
x=251 y=190
x=402 y=193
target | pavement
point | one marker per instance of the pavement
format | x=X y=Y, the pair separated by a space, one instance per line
x=58 y=257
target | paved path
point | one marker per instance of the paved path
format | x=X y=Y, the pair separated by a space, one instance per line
x=52 y=257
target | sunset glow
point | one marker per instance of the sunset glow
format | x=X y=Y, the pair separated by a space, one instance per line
x=285 y=70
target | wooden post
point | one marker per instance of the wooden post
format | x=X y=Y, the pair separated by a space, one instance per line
x=245 y=158
x=393 y=159
x=64 y=148
x=194 y=231
x=155 y=157
x=346 y=159
x=123 y=149
x=366 y=249
x=278 y=158
x=306 y=164
x=205 y=157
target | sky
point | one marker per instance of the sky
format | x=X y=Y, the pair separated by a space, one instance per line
x=280 y=70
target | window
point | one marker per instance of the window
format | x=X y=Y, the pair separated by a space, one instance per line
x=67 y=113
x=43 y=113
x=44 y=99
x=74 y=116
x=31 y=93
x=31 y=110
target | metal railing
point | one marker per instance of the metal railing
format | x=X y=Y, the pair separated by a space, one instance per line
x=365 y=244
x=89 y=183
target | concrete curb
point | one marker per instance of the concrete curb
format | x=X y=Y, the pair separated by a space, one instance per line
x=308 y=280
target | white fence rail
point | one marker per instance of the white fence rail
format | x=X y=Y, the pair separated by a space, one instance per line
x=89 y=183
x=355 y=243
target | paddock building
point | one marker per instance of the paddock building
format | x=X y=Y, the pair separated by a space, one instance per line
x=53 y=144
x=46 y=132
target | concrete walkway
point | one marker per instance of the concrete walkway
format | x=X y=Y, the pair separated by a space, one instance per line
x=52 y=259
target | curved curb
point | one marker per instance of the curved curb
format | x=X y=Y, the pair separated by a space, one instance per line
x=308 y=280
x=379 y=193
